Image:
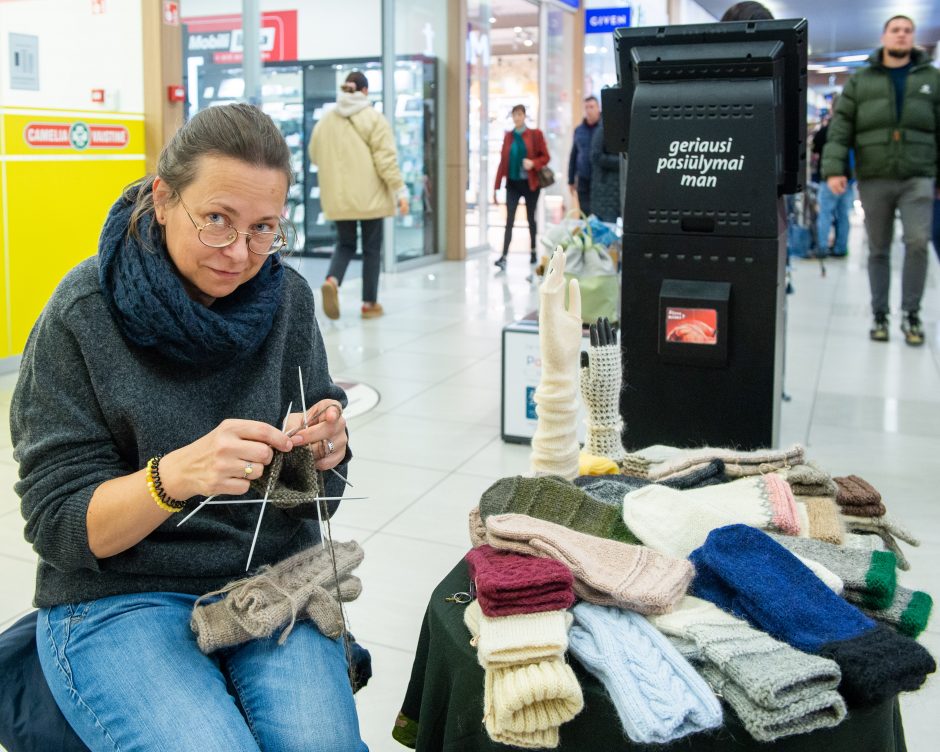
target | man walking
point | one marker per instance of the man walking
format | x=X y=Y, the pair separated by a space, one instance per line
x=890 y=113
x=579 y=164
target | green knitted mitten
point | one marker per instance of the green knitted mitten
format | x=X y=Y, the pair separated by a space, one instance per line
x=556 y=500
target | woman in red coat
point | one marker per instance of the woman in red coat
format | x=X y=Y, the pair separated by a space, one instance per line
x=524 y=154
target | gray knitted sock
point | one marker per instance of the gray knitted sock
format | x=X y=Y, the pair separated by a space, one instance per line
x=255 y=607
x=871 y=577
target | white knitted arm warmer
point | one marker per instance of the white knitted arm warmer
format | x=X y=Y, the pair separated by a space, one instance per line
x=600 y=389
x=555 y=443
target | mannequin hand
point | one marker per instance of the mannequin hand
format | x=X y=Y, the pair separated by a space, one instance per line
x=564 y=326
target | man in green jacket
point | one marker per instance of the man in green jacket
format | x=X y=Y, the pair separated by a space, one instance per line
x=889 y=112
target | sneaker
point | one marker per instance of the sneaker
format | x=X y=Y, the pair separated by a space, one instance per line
x=372 y=310
x=913 y=329
x=330 y=292
x=500 y=263
x=879 y=330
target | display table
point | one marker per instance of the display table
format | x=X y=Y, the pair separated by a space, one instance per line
x=445 y=697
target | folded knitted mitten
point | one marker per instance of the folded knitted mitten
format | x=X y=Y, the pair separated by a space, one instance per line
x=592 y=464
x=554 y=499
x=808 y=479
x=658 y=696
x=870 y=577
x=295 y=479
x=555 y=442
x=301 y=585
x=745 y=571
x=908 y=612
x=601 y=381
x=825 y=522
x=606 y=572
x=658 y=462
x=524 y=704
x=775 y=690
x=518 y=639
x=511 y=583
x=477 y=528
x=887 y=529
x=858 y=497
x=676 y=522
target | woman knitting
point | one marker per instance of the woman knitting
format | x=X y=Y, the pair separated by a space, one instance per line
x=157 y=375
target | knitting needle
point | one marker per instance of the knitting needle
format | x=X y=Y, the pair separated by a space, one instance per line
x=258 y=501
x=207 y=500
x=264 y=501
x=303 y=401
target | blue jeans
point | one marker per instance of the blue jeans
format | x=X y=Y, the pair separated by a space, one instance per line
x=833 y=208
x=127 y=674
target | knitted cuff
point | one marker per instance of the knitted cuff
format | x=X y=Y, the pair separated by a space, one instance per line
x=825 y=523
x=514 y=640
x=878 y=664
x=532 y=697
x=908 y=613
x=852 y=491
x=477 y=528
x=869 y=510
x=600 y=389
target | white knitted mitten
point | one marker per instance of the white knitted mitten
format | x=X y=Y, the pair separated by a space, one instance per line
x=601 y=378
x=555 y=443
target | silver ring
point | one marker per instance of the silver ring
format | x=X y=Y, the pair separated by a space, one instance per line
x=329 y=446
x=249 y=469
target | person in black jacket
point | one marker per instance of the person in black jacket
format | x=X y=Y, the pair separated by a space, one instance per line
x=579 y=163
x=605 y=179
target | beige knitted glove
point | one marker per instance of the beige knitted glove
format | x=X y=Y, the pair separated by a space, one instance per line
x=555 y=443
x=885 y=528
x=601 y=380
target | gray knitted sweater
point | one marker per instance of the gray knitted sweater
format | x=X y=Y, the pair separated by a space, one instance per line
x=88 y=407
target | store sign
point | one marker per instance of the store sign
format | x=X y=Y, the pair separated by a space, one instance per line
x=221 y=37
x=76 y=136
x=605 y=20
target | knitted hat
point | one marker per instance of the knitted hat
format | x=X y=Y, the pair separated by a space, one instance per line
x=556 y=500
x=908 y=613
x=508 y=583
x=592 y=464
x=301 y=585
x=825 y=522
x=296 y=480
x=658 y=696
x=606 y=572
x=676 y=522
x=871 y=577
x=745 y=571
x=513 y=640
x=887 y=529
x=775 y=690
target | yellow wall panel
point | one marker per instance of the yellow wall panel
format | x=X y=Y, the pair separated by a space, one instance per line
x=55 y=210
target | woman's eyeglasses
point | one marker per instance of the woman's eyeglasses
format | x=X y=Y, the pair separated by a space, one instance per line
x=221 y=234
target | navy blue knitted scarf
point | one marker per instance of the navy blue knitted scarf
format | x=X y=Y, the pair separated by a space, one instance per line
x=150 y=305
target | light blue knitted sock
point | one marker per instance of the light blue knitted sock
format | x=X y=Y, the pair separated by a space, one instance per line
x=658 y=695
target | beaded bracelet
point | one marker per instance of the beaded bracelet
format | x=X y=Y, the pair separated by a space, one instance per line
x=166 y=503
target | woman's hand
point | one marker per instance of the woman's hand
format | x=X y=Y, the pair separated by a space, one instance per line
x=325 y=434
x=223 y=461
x=495 y=199
x=527 y=164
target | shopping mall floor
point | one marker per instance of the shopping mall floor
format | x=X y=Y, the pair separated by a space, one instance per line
x=430 y=447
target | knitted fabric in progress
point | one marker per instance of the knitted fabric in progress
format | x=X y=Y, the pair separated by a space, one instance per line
x=606 y=572
x=295 y=479
x=509 y=583
x=659 y=462
x=302 y=585
x=556 y=500
x=601 y=382
x=658 y=696
x=676 y=522
x=524 y=703
x=745 y=571
x=775 y=690
x=555 y=442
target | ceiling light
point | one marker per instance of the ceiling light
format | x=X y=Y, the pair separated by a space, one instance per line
x=834 y=69
x=528 y=43
x=518 y=30
x=492 y=19
x=853 y=58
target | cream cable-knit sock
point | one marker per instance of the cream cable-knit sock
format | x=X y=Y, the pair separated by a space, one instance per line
x=555 y=443
x=601 y=380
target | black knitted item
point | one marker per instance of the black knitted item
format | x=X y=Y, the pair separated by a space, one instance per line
x=878 y=664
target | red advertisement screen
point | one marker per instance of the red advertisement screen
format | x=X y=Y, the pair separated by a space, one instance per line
x=692 y=326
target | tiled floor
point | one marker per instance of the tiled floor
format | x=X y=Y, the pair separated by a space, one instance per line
x=432 y=445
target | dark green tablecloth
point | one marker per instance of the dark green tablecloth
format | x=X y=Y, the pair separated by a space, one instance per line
x=445 y=698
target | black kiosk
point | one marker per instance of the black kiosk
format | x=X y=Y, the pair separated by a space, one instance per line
x=712 y=118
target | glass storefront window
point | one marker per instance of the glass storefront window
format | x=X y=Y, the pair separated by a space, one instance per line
x=479 y=19
x=557 y=104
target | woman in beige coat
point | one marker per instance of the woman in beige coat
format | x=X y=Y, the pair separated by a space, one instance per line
x=354 y=151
